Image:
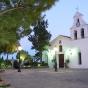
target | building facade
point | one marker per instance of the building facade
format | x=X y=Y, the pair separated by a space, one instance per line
x=71 y=51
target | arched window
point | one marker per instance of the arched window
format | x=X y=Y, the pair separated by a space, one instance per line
x=82 y=33
x=75 y=34
x=79 y=58
x=77 y=23
x=60 y=41
x=60 y=48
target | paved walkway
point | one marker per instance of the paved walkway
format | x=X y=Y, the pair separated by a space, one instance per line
x=47 y=78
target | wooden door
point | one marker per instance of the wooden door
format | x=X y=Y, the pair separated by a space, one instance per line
x=61 y=60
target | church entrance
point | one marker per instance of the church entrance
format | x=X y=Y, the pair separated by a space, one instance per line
x=61 y=60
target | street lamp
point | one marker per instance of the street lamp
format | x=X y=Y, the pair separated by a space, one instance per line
x=19 y=49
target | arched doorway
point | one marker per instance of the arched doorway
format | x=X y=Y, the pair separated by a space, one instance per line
x=61 y=60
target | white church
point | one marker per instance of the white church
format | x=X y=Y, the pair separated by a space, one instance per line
x=73 y=49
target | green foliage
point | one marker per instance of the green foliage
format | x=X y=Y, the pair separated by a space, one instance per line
x=23 y=55
x=1 y=62
x=44 y=64
x=25 y=58
x=40 y=38
x=34 y=64
x=20 y=13
x=25 y=14
x=67 y=61
x=28 y=61
x=9 y=47
x=5 y=63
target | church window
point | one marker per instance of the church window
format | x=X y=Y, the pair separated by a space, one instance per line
x=75 y=34
x=60 y=42
x=78 y=23
x=60 y=48
x=79 y=58
x=82 y=33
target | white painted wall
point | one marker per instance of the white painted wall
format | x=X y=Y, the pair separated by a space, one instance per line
x=82 y=45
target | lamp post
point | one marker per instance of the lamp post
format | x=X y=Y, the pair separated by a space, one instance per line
x=19 y=49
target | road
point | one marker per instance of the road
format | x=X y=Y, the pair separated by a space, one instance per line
x=47 y=78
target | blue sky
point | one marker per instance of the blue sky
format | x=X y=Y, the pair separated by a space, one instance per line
x=60 y=18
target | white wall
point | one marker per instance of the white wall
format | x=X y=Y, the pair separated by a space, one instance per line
x=78 y=29
x=75 y=46
x=82 y=45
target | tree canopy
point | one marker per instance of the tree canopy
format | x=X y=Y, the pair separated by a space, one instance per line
x=40 y=36
x=16 y=13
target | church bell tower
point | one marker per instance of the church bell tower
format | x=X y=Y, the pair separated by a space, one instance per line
x=79 y=30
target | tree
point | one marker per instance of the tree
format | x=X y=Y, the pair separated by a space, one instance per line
x=40 y=38
x=23 y=55
x=16 y=13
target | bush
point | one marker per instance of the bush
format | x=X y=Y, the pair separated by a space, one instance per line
x=35 y=63
x=66 y=63
x=15 y=64
x=44 y=64
x=26 y=63
x=7 y=63
x=2 y=63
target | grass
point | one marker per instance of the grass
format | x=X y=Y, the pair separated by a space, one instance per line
x=4 y=86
